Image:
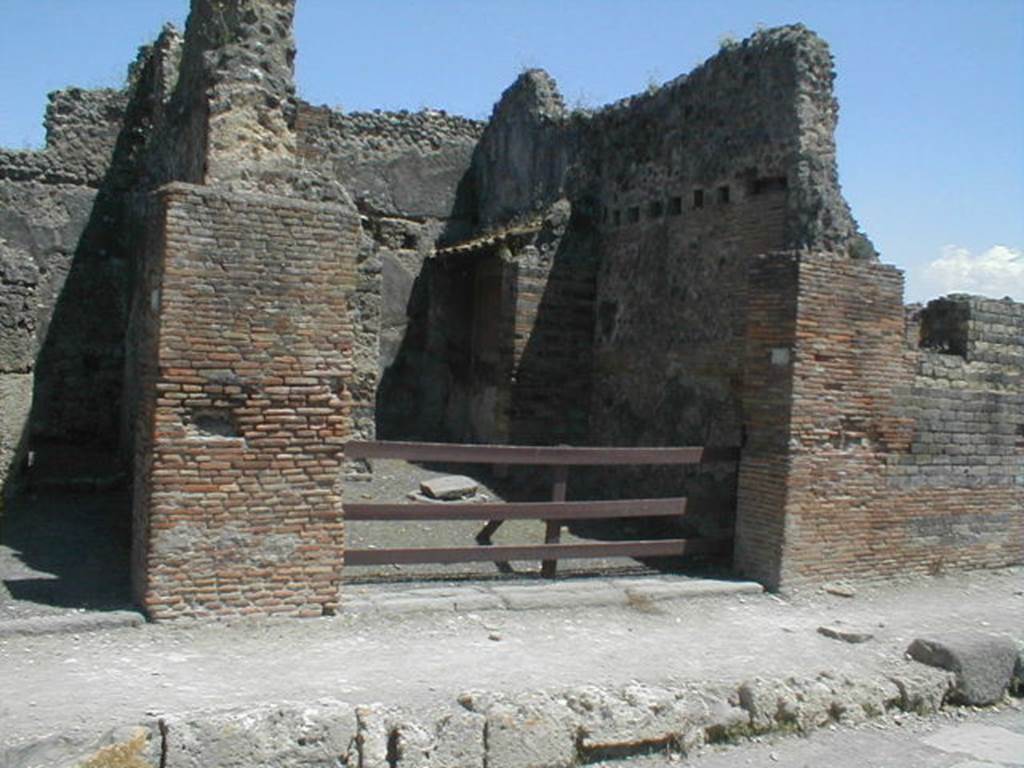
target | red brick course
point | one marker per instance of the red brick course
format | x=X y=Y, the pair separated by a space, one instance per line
x=245 y=350
x=866 y=458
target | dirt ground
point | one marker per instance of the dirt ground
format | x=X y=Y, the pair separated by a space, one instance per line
x=89 y=682
x=393 y=480
x=65 y=554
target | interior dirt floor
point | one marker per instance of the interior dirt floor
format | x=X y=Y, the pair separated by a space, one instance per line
x=85 y=683
x=393 y=480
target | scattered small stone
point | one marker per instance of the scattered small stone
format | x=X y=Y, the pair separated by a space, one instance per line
x=846 y=635
x=841 y=590
x=495 y=636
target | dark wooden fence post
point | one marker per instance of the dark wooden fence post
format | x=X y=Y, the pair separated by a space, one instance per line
x=553 y=531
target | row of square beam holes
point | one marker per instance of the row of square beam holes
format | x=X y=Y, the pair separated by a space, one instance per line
x=675 y=204
x=657 y=209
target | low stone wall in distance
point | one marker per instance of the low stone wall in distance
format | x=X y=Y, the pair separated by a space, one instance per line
x=245 y=351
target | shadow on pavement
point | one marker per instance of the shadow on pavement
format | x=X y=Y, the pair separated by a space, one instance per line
x=68 y=550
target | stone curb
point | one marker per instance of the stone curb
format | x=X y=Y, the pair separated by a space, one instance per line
x=70 y=622
x=539 y=729
x=553 y=595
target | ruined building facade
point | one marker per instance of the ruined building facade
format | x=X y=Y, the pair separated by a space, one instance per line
x=211 y=286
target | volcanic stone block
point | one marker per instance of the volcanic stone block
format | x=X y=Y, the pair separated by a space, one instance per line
x=983 y=664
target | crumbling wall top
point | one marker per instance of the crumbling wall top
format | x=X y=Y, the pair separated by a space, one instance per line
x=81 y=130
x=524 y=154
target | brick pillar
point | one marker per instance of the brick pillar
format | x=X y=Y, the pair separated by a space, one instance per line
x=825 y=370
x=245 y=354
x=767 y=400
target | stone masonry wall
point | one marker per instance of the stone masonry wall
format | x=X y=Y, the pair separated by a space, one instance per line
x=394 y=163
x=405 y=171
x=81 y=130
x=691 y=181
x=234 y=109
x=681 y=186
x=867 y=458
x=46 y=201
x=245 y=409
x=553 y=332
x=516 y=308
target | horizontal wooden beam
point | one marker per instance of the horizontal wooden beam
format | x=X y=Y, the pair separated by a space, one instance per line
x=505 y=553
x=532 y=454
x=539 y=510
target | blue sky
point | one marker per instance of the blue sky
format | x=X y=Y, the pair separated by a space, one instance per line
x=931 y=92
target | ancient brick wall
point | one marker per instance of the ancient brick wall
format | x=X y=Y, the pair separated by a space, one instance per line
x=866 y=458
x=238 y=498
x=516 y=308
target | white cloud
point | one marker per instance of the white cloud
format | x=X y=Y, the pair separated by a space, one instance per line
x=997 y=272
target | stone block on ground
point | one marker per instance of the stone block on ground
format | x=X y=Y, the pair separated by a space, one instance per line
x=721 y=716
x=531 y=731
x=638 y=716
x=459 y=740
x=983 y=664
x=923 y=689
x=131 y=747
x=840 y=589
x=390 y=738
x=857 y=699
x=292 y=735
x=449 y=487
x=765 y=701
x=808 y=703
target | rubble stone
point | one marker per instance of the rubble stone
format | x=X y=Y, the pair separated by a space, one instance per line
x=450 y=487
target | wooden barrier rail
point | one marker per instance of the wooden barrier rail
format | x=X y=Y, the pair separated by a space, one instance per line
x=554 y=513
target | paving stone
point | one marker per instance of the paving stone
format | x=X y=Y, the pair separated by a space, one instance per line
x=450 y=487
